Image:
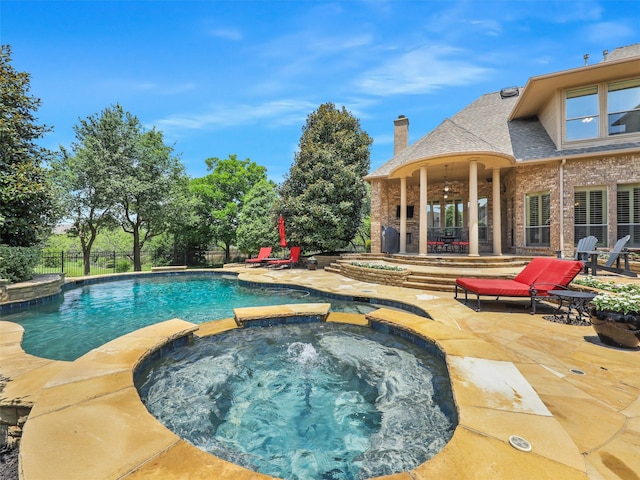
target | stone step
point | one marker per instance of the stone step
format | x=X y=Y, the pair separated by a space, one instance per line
x=437 y=287
x=440 y=277
x=441 y=261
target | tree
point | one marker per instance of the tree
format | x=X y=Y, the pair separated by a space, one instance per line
x=28 y=207
x=150 y=189
x=324 y=194
x=257 y=225
x=120 y=174
x=220 y=196
x=86 y=178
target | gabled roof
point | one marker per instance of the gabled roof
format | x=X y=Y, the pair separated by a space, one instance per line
x=508 y=126
x=621 y=63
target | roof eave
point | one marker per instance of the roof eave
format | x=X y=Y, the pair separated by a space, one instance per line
x=539 y=89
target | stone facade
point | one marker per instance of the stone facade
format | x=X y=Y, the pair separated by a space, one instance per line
x=513 y=145
x=517 y=183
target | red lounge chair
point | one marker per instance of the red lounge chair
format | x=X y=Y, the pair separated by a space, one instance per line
x=263 y=256
x=294 y=256
x=534 y=281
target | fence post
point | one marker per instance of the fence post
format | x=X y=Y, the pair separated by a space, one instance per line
x=114 y=262
x=62 y=260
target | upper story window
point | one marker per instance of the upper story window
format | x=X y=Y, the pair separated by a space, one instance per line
x=582 y=113
x=623 y=107
x=618 y=104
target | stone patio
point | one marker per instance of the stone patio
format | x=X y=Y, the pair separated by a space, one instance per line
x=590 y=391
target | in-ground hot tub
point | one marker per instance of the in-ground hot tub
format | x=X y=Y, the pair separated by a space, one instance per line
x=313 y=400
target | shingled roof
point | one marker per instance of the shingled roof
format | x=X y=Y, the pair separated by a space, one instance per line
x=480 y=127
x=484 y=127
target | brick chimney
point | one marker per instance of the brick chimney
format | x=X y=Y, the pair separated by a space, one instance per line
x=400 y=134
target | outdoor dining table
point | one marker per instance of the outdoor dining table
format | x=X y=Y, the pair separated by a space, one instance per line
x=448 y=241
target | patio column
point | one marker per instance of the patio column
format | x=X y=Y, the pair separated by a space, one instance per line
x=403 y=215
x=423 y=212
x=473 y=208
x=497 y=215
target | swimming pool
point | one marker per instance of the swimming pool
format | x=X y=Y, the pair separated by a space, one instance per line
x=88 y=316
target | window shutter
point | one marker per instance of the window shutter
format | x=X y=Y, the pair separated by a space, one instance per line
x=596 y=210
x=624 y=202
x=580 y=208
x=546 y=210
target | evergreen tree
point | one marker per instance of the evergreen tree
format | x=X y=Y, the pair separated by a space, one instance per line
x=27 y=199
x=324 y=196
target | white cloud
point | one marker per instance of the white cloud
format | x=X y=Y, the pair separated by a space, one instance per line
x=422 y=70
x=609 y=34
x=226 y=33
x=488 y=27
x=128 y=85
x=274 y=113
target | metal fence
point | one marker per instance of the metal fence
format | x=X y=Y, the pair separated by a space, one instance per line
x=71 y=263
x=102 y=262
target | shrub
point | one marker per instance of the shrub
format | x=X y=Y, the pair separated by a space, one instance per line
x=378 y=266
x=123 y=265
x=17 y=263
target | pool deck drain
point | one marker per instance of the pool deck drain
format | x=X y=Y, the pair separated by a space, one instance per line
x=88 y=421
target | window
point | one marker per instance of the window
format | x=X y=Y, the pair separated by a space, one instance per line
x=453 y=214
x=537 y=223
x=628 y=213
x=582 y=113
x=623 y=107
x=620 y=102
x=409 y=211
x=433 y=214
x=590 y=214
x=483 y=219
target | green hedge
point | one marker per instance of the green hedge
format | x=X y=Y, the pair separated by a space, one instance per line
x=17 y=263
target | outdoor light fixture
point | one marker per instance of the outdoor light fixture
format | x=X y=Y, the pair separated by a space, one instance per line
x=445 y=190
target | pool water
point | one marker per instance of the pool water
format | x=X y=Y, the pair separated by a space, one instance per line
x=86 y=317
x=314 y=401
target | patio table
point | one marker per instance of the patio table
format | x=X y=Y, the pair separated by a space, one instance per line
x=575 y=301
x=448 y=241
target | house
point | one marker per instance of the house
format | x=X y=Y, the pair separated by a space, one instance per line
x=525 y=171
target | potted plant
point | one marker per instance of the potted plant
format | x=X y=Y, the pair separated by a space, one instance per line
x=616 y=316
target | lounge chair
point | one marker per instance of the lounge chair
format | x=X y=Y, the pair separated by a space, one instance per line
x=263 y=256
x=294 y=256
x=585 y=245
x=535 y=281
x=614 y=255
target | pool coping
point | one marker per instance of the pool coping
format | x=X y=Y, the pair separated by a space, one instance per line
x=494 y=402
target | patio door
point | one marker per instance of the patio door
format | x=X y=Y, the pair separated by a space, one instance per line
x=454 y=217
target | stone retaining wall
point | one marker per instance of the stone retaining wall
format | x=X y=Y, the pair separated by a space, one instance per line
x=394 y=278
x=41 y=286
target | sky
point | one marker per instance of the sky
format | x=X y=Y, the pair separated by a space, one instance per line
x=240 y=77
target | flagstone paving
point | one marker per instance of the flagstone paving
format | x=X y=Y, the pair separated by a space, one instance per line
x=576 y=400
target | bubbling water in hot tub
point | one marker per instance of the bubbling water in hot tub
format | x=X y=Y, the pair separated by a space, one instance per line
x=313 y=401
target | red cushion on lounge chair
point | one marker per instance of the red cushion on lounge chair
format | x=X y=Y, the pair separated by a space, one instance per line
x=495 y=286
x=294 y=256
x=556 y=273
x=533 y=270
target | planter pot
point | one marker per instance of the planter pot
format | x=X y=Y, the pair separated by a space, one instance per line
x=617 y=329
